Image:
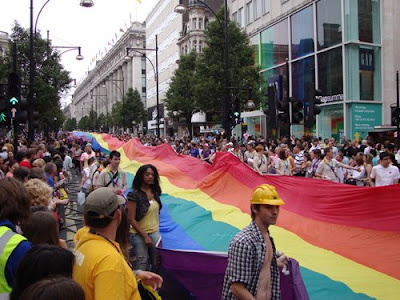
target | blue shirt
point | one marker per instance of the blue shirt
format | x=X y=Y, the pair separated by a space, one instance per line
x=194 y=152
x=50 y=182
x=16 y=255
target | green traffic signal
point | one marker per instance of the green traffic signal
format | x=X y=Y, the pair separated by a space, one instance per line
x=14 y=101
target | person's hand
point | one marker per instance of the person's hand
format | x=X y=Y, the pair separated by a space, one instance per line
x=148 y=241
x=281 y=259
x=358 y=169
x=150 y=278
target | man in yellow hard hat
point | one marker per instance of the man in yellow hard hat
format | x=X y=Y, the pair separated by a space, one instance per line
x=252 y=271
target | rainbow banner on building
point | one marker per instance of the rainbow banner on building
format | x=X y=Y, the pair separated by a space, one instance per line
x=346 y=238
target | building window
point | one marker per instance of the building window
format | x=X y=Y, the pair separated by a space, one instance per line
x=194 y=46
x=186 y=49
x=329 y=23
x=265 y=6
x=143 y=63
x=330 y=73
x=234 y=17
x=302 y=37
x=362 y=21
x=303 y=73
x=200 y=46
x=257 y=9
x=363 y=72
x=194 y=22
x=249 y=12
x=205 y=23
x=240 y=17
x=275 y=45
x=200 y=23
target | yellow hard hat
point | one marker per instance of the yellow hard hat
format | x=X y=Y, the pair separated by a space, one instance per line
x=266 y=194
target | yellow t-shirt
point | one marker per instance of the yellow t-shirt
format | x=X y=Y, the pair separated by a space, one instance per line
x=151 y=220
x=101 y=270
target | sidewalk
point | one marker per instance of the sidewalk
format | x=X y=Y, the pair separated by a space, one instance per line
x=73 y=219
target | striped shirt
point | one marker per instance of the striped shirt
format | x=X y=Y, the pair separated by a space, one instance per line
x=246 y=256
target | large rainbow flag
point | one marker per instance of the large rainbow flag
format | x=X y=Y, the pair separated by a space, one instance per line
x=346 y=238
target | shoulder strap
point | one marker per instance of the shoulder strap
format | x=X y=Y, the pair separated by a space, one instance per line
x=112 y=179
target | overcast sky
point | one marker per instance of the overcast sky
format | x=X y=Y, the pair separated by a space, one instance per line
x=72 y=25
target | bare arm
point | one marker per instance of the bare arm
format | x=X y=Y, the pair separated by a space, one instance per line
x=240 y=292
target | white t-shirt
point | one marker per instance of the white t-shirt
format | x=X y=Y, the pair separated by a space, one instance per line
x=385 y=176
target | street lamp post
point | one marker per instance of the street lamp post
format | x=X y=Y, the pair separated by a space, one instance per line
x=155 y=69
x=32 y=64
x=123 y=95
x=181 y=9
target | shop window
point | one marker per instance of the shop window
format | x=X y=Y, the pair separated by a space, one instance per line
x=275 y=45
x=303 y=72
x=255 y=42
x=363 y=72
x=362 y=21
x=302 y=28
x=329 y=23
x=330 y=74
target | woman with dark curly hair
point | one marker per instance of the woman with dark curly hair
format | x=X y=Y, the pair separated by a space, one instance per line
x=144 y=207
x=14 y=210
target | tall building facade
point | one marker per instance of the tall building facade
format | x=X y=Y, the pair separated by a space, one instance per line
x=112 y=76
x=4 y=43
x=345 y=48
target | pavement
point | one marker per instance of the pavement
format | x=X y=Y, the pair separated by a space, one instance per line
x=73 y=219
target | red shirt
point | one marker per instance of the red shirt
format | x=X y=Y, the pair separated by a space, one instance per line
x=26 y=164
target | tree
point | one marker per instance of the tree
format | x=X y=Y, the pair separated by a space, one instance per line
x=83 y=123
x=70 y=125
x=210 y=70
x=134 y=108
x=180 y=98
x=116 y=114
x=102 y=121
x=50 y=77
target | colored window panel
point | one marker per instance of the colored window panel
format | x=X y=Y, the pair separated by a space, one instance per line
x=302 y=33
x=275 y=45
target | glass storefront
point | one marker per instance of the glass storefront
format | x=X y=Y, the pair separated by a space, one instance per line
x=362 y=19
x=275 y=45
x=331 y=121
x=329 y=23
x=321 y=45
x=363 y=72
x=330 y=73
x=302 y=33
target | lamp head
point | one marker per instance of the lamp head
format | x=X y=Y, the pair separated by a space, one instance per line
x=180 y=8
x=87 y=3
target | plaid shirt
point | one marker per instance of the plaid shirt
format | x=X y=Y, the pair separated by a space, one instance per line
x=246 y=257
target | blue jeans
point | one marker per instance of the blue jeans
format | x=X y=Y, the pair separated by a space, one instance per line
x=146 y=257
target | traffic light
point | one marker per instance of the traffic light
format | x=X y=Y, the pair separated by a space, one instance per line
x=313 y=97
x=297 y=111
x=22 y=111
x=14 y=90
x=35 y=119
x=395 y=115
x=4 y=113
x=283 y=110
x=236 y=111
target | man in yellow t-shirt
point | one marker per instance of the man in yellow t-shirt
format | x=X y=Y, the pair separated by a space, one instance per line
x=100 y=267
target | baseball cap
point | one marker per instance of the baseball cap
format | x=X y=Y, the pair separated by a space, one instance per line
x=266 y=194
x=89 y=144
x=5 y=148
x=230 y=144
x=103 y=202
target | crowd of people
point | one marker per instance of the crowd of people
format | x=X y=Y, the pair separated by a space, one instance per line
x=361 y=163
x=117 y=246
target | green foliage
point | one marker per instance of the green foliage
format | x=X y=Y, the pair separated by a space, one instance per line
x=101 y=121
x=51 y=79
x=180 y=99
x=210 y=71
x=83 y=123
x=70 y=124
x=134 y=109
x=116 y=114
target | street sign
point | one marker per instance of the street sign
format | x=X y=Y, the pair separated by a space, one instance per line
x=13 y=101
